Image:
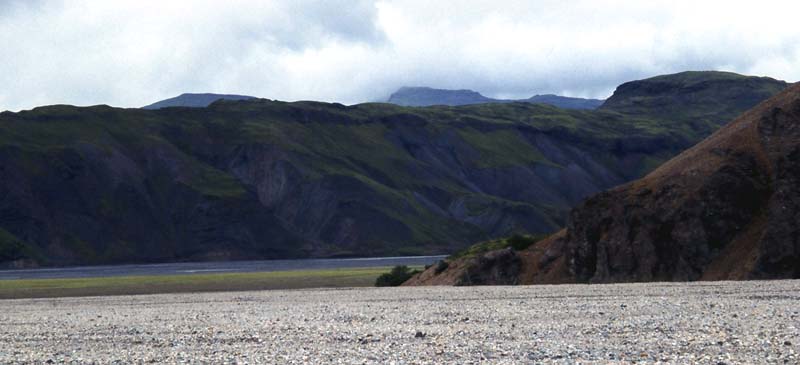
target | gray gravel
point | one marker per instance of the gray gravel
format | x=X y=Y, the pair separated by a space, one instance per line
x=748 y=322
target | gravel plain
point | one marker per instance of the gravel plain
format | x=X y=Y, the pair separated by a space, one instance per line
x=709 y=322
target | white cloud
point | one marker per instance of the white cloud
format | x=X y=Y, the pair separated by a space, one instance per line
x=130 y=53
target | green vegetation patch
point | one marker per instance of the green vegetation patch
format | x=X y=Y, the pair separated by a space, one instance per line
x=517 y=242
x=501 y=148
x=399 y=275
x=213 y=182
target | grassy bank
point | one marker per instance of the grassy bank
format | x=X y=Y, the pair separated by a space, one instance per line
x=129 y=285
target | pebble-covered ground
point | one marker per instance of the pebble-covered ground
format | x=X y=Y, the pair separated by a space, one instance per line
x=713 y=323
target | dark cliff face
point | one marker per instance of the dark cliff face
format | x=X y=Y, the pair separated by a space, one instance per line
x=726 y=209
x=264 y=179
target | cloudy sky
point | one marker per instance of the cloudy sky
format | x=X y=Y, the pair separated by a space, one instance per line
x=133 y=52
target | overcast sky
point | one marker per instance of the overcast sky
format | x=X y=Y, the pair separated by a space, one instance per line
x=131 y=53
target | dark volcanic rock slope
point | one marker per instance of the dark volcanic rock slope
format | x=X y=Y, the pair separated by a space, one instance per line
x=728 y=208
x=266 y=179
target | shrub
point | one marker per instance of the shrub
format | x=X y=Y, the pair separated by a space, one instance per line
x=440 y=267
x=520 y=242
x=399 y=275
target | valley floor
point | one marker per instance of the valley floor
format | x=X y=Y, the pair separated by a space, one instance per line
x=190 y=283
x=708 y=322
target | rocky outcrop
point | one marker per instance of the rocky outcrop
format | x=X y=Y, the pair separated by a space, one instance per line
x=726 y=209
x=500 y=267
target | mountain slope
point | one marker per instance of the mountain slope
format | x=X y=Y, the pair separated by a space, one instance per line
x=262 y=179
x=425 y=96
x=194 y=100
x=728 y=208
x=267 y=179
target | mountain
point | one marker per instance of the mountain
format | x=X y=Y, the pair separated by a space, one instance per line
x=566 y=102
x=726 y=209
x=194 y=100
x=252 y=179
x=708 y=97
x=425 y=96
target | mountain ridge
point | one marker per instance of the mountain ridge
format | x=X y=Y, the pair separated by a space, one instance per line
x=258 y=178
x=427 y=96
